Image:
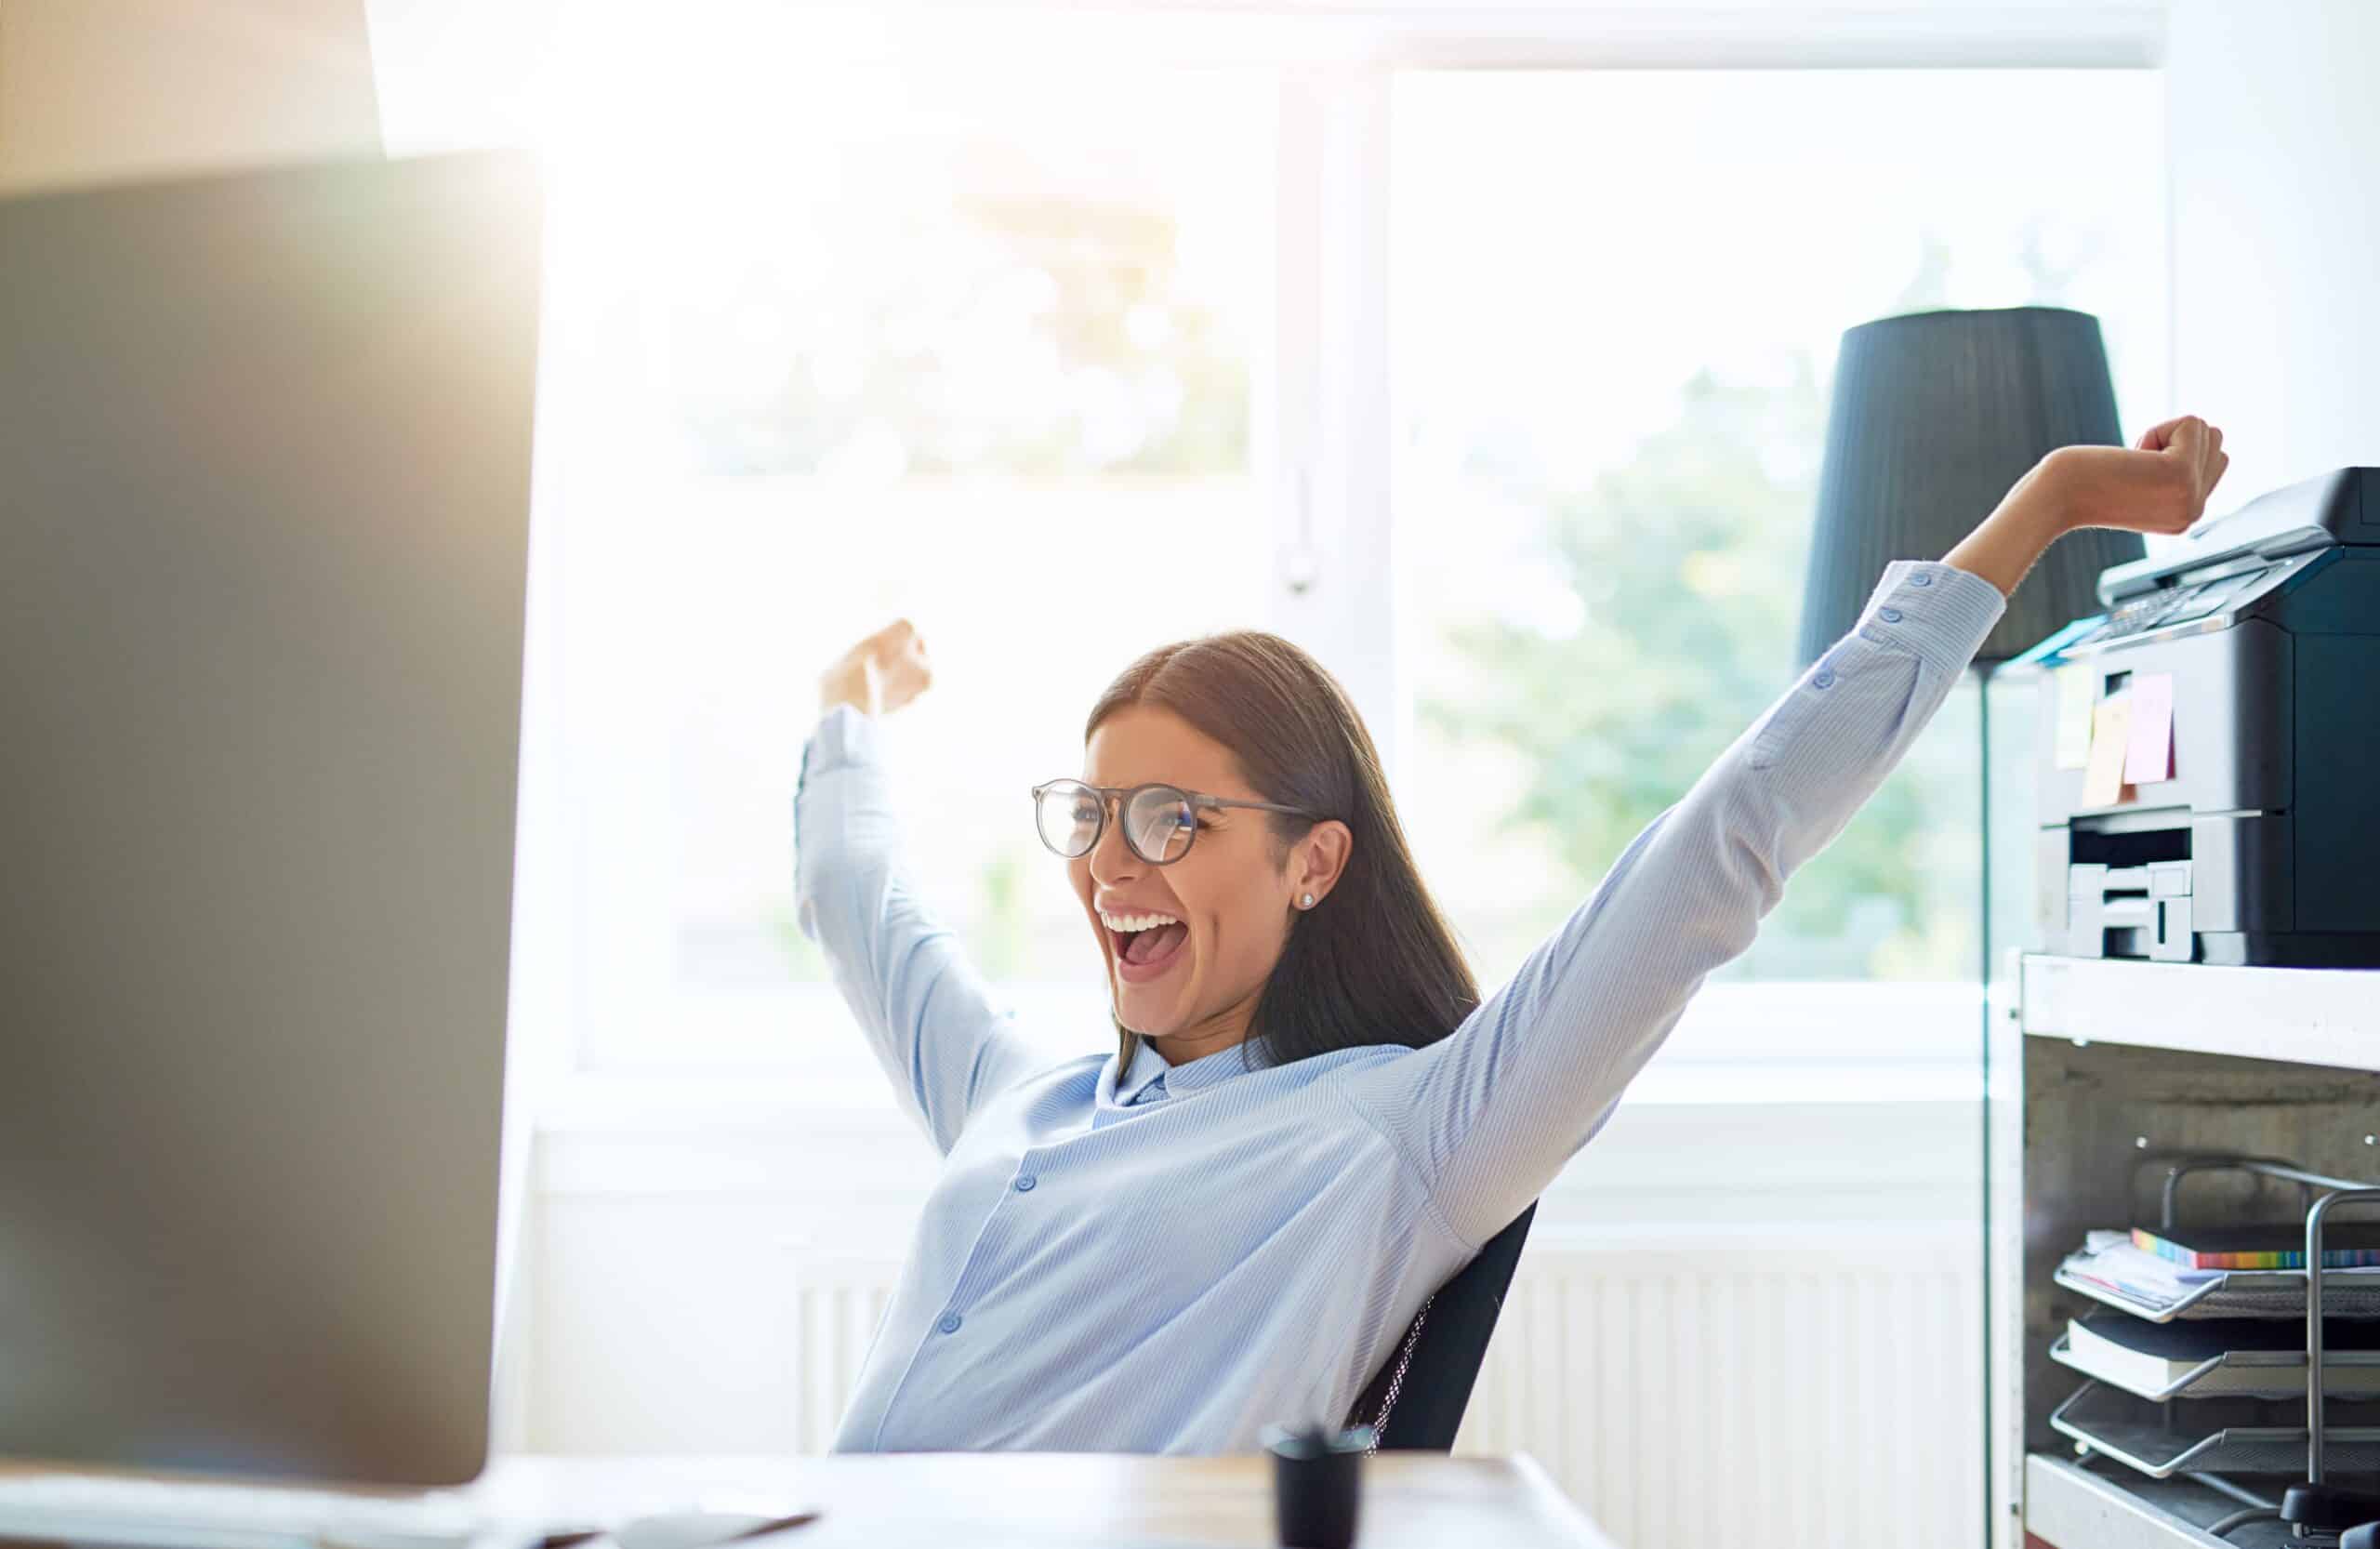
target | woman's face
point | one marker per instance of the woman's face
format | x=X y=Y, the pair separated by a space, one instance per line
x=1233 y=900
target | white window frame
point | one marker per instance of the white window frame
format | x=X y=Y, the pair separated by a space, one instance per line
x=1320 y=438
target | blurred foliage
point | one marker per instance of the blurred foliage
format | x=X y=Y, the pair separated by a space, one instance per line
x=1018 y=335
x=1688 y=564
x=1001 y=941
x=803 y=959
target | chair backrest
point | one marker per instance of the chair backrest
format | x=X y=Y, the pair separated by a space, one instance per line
x=1415 y=1403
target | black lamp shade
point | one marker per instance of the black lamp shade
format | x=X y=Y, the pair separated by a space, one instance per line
x=1935 y=415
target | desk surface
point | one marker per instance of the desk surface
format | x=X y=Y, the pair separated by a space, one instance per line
x=1048 y=1500
x=1063 y=1500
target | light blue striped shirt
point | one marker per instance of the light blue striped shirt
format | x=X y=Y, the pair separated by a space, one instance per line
x=1167 y=1259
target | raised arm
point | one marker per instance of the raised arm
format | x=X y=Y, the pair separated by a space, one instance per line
x=932 y=1021
x=1489 y=1114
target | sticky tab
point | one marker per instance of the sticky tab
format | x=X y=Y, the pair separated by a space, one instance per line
x=2110 y=740
x=2148 y=746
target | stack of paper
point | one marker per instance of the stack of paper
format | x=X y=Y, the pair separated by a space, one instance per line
x=2108 y=1260
x=2148 y=1358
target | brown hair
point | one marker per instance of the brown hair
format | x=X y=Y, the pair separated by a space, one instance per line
x=1374 y=962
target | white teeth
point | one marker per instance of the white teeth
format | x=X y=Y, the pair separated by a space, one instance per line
x=1135 y=921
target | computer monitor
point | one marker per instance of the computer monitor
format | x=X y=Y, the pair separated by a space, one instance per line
x=264 y=495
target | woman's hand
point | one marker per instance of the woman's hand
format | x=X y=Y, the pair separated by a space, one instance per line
x=2160 y=486
x=878 y=675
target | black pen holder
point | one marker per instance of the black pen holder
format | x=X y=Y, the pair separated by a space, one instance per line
x=1318 y=1484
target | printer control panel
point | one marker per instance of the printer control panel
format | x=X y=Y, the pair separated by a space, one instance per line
x=2209 y=604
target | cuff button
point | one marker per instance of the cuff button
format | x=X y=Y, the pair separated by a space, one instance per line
x=1890 y=615
x=1921 y=579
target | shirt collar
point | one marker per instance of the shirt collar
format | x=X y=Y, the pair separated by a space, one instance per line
x=1146 y=1067
x=1214 y=1069
x=1181 y=1080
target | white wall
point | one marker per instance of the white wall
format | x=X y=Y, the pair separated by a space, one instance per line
x=95 y=90
x=2274 y=141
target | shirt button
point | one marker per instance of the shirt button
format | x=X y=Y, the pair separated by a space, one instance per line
x=949 y=1324
x=1024 y=1184
x=1921 y=579
x=1824 y=680
x=1890 y=615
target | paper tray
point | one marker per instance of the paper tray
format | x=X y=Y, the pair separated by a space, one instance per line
x=2105 y=1421
x=2239 y=1293
x=2240 y=1373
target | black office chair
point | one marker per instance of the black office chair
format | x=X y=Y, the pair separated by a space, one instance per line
x=1416 y=1402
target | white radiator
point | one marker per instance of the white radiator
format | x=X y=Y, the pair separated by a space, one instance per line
x=1812 y=1387
x=838 y=1303
x=1811 y=1390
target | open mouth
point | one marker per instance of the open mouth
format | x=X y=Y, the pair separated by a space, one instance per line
x=1141 y=956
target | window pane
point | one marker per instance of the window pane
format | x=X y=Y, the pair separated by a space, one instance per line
x=1616 y=303
x=924 y=348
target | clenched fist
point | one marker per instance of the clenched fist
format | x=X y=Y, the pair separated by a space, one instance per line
x=2158 y=487
x=881 y=674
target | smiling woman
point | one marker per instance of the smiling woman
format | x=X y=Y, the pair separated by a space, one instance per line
x=1315 y=1091
x=1158 y=824
x=1308 y=921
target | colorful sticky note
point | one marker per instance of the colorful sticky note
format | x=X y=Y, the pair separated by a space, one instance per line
x=2077 y=687
x=2110 y=740
x=2149 y=747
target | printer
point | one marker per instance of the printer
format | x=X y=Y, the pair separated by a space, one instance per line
x=2263 y=843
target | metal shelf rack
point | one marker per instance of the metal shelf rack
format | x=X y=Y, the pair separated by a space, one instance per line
x=2102 y=1421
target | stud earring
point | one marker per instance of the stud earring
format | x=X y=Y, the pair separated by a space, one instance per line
x=1307 y=902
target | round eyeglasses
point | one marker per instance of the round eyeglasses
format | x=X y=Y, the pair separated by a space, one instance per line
x=1159 y=820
